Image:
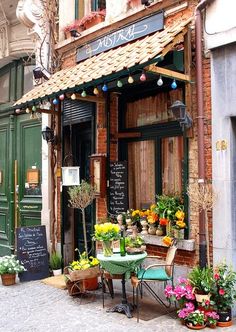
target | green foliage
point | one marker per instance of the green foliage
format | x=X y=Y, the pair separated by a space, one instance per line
x=202 y=279
x=168 y=205
x=196 y=318
x=82 y=195
x=136 y=242
x=9 y=264
x=55 y=261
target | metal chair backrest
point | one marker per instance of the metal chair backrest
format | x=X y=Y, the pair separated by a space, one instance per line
x=170 y=256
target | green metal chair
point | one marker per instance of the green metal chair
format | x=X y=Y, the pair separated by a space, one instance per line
x=157 y=272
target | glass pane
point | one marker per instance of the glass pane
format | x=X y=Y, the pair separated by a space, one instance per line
x=28 y=78
x=151 y=110
x=4 y=88
x=141 y=174
x=172 y=160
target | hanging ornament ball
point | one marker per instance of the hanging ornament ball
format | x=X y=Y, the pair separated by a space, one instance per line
x=62 y=97
x=55 y=101
x=104 y=88
x=33 y=108
x=130 y=79
x=73 y=96
x=160 y=82
x=27 y=110
x=17 y=110
x=83 y=94
x=119 y=84
x=143 y=77
x=174 y=85
x=95 y=91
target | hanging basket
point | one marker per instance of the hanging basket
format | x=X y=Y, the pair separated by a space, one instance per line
x=8 y=279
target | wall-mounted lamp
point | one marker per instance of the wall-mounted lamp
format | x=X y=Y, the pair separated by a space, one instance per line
x=48 y=135
x=146 y=2
x=74 y=33
x=38 y=73
x=180 y=114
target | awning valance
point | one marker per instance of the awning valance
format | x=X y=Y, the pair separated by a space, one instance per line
x=104 y=66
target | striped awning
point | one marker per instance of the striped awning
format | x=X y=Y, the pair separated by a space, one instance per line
x=106 y=65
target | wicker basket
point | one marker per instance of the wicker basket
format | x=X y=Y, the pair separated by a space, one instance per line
x=82 y=274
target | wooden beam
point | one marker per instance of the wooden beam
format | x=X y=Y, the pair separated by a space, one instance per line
x=168 y=73
x=95 y=99
x=47 y=111
x=127 y=135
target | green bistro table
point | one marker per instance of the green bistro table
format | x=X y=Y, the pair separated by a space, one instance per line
x=123 y=265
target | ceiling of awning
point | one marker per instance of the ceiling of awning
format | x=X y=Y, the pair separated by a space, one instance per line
x=104 y=66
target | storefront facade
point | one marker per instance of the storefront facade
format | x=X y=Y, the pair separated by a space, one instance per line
x=130 y=120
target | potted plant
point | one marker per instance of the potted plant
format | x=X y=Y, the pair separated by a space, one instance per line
x=182 y=293
x=134 y=245
x=92 y=19
x=211 y=318
x=195 y=320
x=106 y=233
x=55 y=262
x=201 y=279
x=9 y=267
x=224 y=294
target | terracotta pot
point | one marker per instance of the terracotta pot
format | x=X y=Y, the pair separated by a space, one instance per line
x=91 y=284
x=96 y=20
x=195 y=327
x=8 y=279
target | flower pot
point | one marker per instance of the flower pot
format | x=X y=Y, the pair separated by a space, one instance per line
x=202 y=297
x=56 y=272
x=152 y=230
x=91 y=283
x=8 y=279
x=212 y=326
x=195 y=327
x=159 y=232
x=225 y=318
x=107 y=248
x=94 y=21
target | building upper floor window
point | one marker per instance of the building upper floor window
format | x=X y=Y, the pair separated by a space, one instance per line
x=4 y=88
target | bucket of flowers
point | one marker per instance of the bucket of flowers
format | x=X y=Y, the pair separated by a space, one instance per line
x=106 y=233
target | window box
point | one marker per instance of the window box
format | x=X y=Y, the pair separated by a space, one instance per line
x=188 y=245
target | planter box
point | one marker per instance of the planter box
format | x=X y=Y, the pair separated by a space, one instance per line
x=82 y=274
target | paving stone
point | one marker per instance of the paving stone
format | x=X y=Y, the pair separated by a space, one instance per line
x=36 y=307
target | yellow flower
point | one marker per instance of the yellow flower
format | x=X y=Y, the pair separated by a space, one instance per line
x=180 y=224
x=153 y=206
x=167 y=240
x=179 y=214
x=151 y=220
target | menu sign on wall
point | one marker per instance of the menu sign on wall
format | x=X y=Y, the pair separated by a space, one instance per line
x=118 y=187
x=32 y=252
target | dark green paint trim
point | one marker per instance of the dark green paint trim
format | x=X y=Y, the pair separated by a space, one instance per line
x=76 y=9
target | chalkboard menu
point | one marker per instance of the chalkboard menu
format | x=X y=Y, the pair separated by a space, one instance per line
x=118 y=187
x=32 y=252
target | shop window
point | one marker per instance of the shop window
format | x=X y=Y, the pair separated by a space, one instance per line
x=98 y=4
x=28 y=78
x=5 y=88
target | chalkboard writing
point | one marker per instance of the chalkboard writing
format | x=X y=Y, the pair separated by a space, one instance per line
x=32 y=252
x=118 y=187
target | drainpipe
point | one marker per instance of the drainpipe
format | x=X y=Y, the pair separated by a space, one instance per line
x=200 y=130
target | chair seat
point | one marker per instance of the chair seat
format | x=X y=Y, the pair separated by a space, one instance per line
x=153 y=274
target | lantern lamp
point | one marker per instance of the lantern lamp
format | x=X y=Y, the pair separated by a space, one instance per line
x=180 y=114
x=48 y=134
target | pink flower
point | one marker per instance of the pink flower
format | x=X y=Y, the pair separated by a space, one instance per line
x=182 y=280
x=221 y=291
x=169 y=291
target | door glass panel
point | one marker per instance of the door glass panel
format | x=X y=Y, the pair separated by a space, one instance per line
x=4 y=88
x=141 y=173
x=172 y=159
x=28 y=78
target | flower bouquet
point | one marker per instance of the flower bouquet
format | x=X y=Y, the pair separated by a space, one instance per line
x=106 y=233
x=83 y=268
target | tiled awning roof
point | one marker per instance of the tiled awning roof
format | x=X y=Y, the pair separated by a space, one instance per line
x=101 y=67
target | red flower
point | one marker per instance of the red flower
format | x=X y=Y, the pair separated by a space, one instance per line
x=221 y=291
x=163 y=221
x=216 y=276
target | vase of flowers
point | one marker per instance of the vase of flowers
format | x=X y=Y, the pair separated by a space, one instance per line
x=224 y=294
x=9 y=267
x=203 y=283
x=106 y=233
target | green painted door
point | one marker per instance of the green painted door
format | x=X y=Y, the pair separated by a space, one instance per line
x=29 y=171
x=20 y=177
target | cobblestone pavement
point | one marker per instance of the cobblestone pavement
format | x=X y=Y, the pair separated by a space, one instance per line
x=36 y=307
